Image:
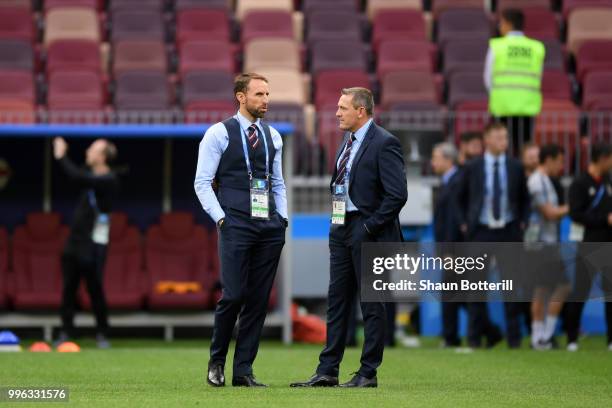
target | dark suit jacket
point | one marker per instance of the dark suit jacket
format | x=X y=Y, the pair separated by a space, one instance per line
x=448 y=216
x=473 y=191
x=377 y=184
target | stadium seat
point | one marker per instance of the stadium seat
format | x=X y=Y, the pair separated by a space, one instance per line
x=569 y=6
x=146 y=25
x=139 y=56
x=374 y=6
x=407 y=87
x=207 y=96
x=55 y=4
x=199 y=4
x=541 y=24
x=83 y=55
x=37 y=251
x=554 y=59
x=556 y=85
x=267 y=24
x=265 y=53
x=600 y=122
x=588 y=24
x=593 y=56
x=332 y=25
x=286 y=86
x=337 y=55
x=202 y=25
x=466 y=87
x=463 y=24
x=4 y=269
x=405 y=55
x=124 y=280
x=243 y=7
x=177 y=250
x=149 y=5
x=17 y=87
x=75 y=90
x=16 y=24
x=559 y=123
x=523 y=5
x=16 y=55
x=71 y=24
x=327 y=85
x=464 y=56
x=398 y=25
x=23 y=4
x=596 y=89
x=310 y=6
x=142 y=90
x=471 y=116
x=211 y=55
x=440 y=6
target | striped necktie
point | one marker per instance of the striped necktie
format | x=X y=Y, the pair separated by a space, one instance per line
x=344 y=160
x=253 y=139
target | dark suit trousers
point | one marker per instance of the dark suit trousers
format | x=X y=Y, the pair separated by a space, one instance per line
x=344 y=284
x=249 y=251
x=88 y=263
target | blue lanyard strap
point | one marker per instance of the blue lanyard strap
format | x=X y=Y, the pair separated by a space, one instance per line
x=598 y=196
x=245 y=149
x=91 y=195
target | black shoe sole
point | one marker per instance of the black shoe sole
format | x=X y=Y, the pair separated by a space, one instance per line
x=213 y=384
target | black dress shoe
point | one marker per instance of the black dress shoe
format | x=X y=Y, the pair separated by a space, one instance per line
x=246 y=381
x=216 y=377
x=494 y=337
x=317 y=380
x=360 y=381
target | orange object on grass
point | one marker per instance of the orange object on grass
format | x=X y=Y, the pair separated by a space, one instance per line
x=40 y=347
x=68 y=347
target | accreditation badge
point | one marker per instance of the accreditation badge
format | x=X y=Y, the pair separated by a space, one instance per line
x=260 y=199
x=101 y=229
x=339 y=204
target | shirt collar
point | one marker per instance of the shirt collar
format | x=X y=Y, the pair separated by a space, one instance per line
x=490 y=159
x=361 y=132
x=515 y=33
x=449 y=173
x=244 y=122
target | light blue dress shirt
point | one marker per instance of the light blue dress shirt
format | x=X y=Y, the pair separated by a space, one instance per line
x=212 y=146
x=359 y=135
x=449 y=173
x=486 y=215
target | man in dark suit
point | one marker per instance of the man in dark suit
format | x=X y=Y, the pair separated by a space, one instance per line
x=495 y=201
x=369 y=189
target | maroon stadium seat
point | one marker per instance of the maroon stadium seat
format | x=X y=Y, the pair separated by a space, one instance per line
x=470 y=116
x=124 y=279
x=4 y=270
x=75 y=96
x=24 y=4
x=593 y=56
x=463 y=24
x=202 y=25
x=524 y=5
x=596 y=90
x=336 y=55
x=16 y=55
x=201 y=4
x=332 y=25
x=142 y=90
x=555 y=56
x=137 y=25
x=407 y=87
x=17 y=97
x=139 y=55
x=211 y=55
x=541 y=24
x=404 y=55
x=37 y=251
x=151 y=5
x=207 y=96
x=93 y=4
x=466 y=87
x=310 y=6
x=267 y=24
x=178 y=250
x=439 y=6
x=556 y=85
x=464 y=56
x=16 y=24
x=328 y=85
x=571 y=5
x=82 y=55
x=398 y=25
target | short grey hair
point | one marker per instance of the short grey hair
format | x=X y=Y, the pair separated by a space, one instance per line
x=448 y=150
x=361 y=97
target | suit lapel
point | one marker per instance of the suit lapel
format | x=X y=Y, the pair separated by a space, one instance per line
x=340 y=148
x=362 y=148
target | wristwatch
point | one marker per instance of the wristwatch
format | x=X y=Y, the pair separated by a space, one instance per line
x=220 y=222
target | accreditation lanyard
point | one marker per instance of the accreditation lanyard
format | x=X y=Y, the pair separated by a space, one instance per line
x=339 y=192
x=259 y=188
x=101 y=229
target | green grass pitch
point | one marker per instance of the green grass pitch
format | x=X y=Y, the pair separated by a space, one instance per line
x=149 y=373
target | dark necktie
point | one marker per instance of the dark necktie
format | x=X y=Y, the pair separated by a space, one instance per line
x=253 y=139
x=496 y=191
x=344 y=160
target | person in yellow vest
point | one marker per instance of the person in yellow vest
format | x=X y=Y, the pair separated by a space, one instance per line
x=513 y=76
